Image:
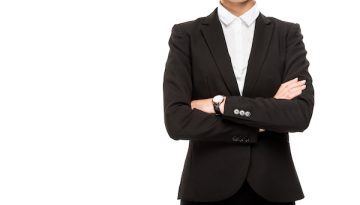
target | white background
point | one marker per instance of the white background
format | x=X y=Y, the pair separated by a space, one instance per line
x=81 y=116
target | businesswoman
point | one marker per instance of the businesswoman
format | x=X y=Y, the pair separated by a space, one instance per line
x=236 y=83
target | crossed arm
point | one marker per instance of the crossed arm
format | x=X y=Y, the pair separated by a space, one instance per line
x=290 y=110
x=286 y=91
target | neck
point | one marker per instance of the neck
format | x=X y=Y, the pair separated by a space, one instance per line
x=238 y=8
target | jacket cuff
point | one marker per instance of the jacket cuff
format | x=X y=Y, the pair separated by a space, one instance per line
x=237 y=107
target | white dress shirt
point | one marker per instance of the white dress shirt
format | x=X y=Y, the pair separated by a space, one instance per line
x=238 y=32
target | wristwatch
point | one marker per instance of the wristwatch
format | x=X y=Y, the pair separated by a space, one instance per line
x=217 y=100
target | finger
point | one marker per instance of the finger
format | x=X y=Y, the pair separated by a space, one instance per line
x=290 y=81
x=193 y=104
x=284 y=87
x=294 y=94
x=295 y=84
x=300 y=83
x=302 y=87
x=297 y=91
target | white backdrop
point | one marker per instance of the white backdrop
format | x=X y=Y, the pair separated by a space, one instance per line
x=81 y=110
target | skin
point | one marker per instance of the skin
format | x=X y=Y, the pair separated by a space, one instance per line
x=238 y=7
x=287 y=90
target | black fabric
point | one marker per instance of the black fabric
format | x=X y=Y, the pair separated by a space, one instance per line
x=244 y=196
x=226 y=150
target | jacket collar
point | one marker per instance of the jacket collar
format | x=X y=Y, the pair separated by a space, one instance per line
x=226 y=17
x=215 y=39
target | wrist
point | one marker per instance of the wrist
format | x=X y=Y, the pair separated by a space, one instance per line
x=222 y=105
x=217 y=101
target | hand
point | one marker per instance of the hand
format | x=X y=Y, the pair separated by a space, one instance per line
x=204 y=105
x=290 y=89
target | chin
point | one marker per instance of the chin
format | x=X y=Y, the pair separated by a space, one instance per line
x=238 y=1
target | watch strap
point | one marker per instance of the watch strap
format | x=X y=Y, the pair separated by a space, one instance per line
x=217 y=108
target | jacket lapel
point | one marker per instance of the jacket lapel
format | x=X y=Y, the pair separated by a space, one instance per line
x=261 y=40
x=215 y=39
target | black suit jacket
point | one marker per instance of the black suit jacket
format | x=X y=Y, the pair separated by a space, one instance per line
x=226 y=150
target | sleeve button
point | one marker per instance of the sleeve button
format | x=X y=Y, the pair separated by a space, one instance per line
x=235 y=138
x=246 y=139
x=242 y=112
x=236 y=111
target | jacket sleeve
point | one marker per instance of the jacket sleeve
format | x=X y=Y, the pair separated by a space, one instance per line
x=182 y=122
x=279 y=115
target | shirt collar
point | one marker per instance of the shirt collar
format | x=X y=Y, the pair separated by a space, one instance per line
x=248 y=17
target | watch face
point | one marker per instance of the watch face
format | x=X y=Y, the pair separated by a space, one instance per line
x=218 y=99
